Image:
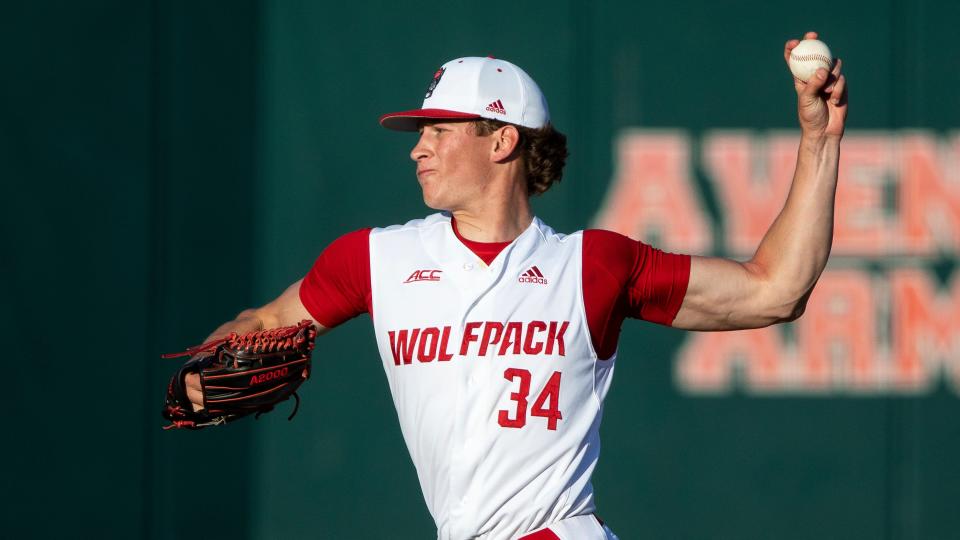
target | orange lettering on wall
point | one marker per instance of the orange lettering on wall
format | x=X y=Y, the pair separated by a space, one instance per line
x=836 y=347
x=652 y=194
x=930 y=193
x=861 y=224
x=751 y=176
x=883 y=328
x=926 y=330
x=709 y=360
x=836 y=337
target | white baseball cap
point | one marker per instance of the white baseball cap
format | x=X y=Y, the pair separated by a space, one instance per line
x=474 y=87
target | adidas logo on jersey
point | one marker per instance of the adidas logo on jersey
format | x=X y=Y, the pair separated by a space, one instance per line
x=424 y=275
x=497 y=107
x=533 y=275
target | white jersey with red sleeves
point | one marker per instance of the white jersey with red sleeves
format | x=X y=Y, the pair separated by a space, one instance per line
x=497 y=387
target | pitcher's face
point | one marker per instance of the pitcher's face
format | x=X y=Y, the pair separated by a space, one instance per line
x=453 y=163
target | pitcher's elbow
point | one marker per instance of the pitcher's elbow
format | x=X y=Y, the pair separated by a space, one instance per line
x=794 y=309
x=795 y=312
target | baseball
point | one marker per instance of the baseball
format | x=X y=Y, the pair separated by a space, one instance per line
x=809 y=56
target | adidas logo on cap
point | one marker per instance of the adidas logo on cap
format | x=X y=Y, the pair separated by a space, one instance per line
x=497 y=107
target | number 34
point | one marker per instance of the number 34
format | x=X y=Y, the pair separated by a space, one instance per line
x=546 y=405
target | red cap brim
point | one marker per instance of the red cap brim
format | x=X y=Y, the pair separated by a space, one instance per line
x=409 y=120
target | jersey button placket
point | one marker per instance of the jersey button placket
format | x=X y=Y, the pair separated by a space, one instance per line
x=459 y=462
x=466 y=438
x=471 y=431
x=477 y=419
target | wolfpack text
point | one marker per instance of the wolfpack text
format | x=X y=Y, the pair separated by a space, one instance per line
x=489 y=338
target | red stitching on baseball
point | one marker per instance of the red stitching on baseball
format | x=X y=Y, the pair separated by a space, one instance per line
x=805 y=57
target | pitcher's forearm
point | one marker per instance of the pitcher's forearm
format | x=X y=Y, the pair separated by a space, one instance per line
x=285 y=310
x=246 y=321
x=795 y=249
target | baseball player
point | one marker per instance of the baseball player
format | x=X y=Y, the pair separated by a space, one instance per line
x=498 y=335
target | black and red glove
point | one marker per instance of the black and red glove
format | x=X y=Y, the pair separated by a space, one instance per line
x=241 y=374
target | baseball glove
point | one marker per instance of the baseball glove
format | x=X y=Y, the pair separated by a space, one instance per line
x=241 y=374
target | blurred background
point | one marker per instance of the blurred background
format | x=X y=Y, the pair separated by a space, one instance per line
x=167 y=164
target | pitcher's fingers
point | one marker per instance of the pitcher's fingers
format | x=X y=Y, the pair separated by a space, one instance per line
x=817 y=82
x=196 y=398
x=834 y=77
x=787 y=47
x=839 y=90
x=837 y=64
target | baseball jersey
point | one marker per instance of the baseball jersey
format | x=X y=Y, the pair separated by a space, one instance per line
x=497 y=356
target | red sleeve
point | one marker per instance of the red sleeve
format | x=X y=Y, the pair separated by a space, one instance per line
x=337 y=288
x=626 y=278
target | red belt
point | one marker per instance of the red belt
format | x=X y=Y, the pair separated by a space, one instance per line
x=543 y=534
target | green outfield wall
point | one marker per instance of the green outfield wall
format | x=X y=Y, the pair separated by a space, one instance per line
x=168 y=164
